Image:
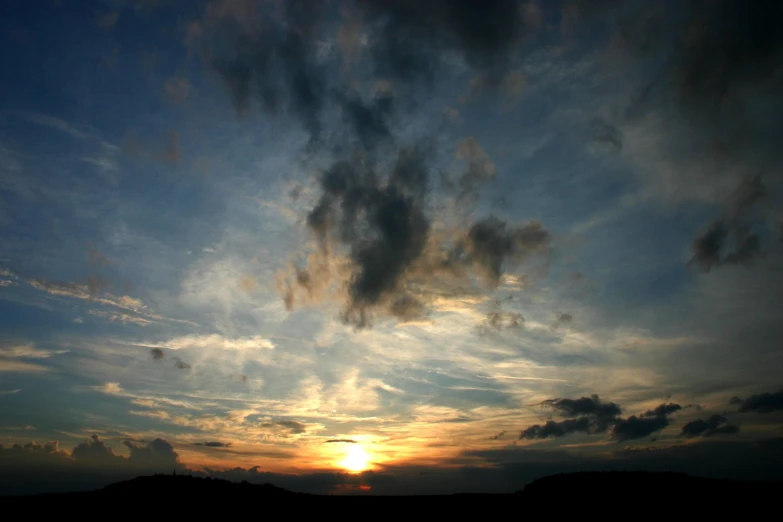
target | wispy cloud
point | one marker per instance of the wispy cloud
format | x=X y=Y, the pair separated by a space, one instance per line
x=28 y=351
x=13 y=366
x=10 y=392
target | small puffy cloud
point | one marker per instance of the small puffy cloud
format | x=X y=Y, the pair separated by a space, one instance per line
x=157 y=353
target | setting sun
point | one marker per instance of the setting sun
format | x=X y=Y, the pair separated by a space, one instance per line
x=355 y=459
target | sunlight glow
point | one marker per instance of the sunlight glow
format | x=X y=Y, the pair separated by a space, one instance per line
x=356 y=459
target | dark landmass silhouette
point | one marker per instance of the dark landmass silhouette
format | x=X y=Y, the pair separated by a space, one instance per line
x=585 y=492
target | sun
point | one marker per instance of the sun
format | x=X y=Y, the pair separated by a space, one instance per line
x=356 y=459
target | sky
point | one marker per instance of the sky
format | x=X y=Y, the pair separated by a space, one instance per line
x=391 y=247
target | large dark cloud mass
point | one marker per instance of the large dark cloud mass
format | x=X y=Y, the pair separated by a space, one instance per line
x=91 y=464
x=761 y=403
x=373 y=220
x=591 y=415
x=587 y=415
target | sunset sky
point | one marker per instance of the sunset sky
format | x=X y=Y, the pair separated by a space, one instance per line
x=408 y=246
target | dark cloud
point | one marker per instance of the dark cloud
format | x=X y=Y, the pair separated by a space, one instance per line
x=498 y=436
x=378 y=217
x=94 y=450
x=602 y=412
x=600 y=131
x=34 y=467
x=383 y=225
x=728 y=45
x=645 y=424
x=337 y=441
x=709 y=247
x=369 y=121
x=182 y=365
x=557 y=429
x=292 y=427
x=762 y=403
x=266 y=55
x=158 y=453
x=157 y=353
x=497 y=321
x=714 y=425
x=491 y=242
x=562 y=319
x=409 y=37
x=591 y=415
x=213 y=444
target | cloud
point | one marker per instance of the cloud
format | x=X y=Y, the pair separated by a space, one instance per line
x=213 y=444
x=491 y=243
x=120 y=317
x=562 y=319
x=600 y=131
x=557 y=428
x=214 y=341
x=497 y=321
x=645 y=424
x=12 y=366
x=762 y=403
x=340 y=441
x=603 y=412
x=110 y=388
x=714 y=425
x=293 y=427
x=132 y=309
x=591 y=416
x=54 y=123
x=157 y=353
x=10 y=392
x=710 y=245
x=409 y=39
x=376 y=249
x=180 y=364
x=28 y=351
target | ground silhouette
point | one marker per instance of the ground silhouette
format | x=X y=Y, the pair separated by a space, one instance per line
x=601 y=493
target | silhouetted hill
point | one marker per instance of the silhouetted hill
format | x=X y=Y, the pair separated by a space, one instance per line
x=647 y=492
x=645 y=488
